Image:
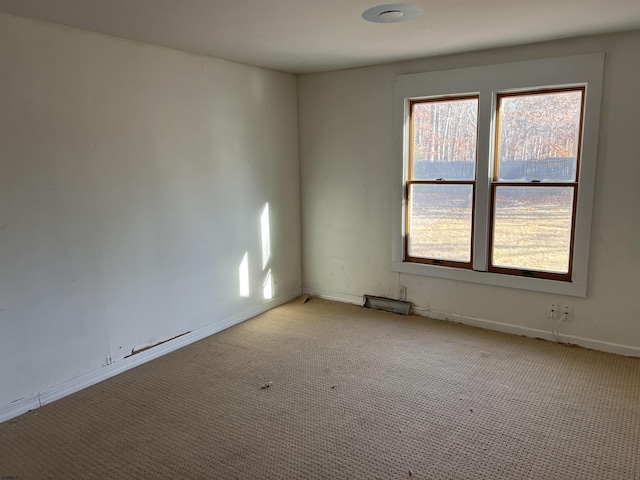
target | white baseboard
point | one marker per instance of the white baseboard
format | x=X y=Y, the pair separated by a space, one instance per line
x=338 y=297
x=73 y=385
x=19 y=407
x=602 y=346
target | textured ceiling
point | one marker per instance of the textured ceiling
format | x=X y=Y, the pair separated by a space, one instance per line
x=315 y=35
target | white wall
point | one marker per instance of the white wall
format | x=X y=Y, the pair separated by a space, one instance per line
x=347 y=155
x=132 y=180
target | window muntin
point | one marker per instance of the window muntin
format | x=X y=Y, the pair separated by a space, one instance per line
x=534 y=187
x=441 y=184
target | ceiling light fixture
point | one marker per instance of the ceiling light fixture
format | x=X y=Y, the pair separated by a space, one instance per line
x=392 y=13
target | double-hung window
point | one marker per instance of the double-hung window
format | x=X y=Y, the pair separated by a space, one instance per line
x=441 y=182
x=535 y=182
x=497 y=174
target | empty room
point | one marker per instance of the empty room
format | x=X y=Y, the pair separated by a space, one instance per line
x=323 y=240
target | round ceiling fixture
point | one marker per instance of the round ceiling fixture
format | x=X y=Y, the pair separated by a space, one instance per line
x=392 y=13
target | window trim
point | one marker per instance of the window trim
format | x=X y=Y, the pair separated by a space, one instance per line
x=488 y=82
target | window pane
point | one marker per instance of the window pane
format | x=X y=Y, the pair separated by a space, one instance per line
x=444 y=139
x=539 y=136
x=440 y=223
x=532 y=228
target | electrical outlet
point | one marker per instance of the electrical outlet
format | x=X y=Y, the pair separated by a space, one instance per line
x=566 y=312
x=402 y=293
x=552 y=310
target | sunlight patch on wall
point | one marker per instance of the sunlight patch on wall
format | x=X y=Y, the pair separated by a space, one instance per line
x=265 y=235
x=244 y=275
x=267 y=289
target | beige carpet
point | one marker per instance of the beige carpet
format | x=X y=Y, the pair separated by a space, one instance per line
x=354 y=394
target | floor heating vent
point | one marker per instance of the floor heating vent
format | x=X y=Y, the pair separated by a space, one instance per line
x=387 y=304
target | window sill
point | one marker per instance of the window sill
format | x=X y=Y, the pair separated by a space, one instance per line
x=488 y=278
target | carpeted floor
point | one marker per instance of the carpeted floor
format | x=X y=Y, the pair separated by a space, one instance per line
x=352 y=393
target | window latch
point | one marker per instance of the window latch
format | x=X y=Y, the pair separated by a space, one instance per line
x=439 y=179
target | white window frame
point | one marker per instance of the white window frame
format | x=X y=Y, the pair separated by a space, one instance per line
x=488 y=81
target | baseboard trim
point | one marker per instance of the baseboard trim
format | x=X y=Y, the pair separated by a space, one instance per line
x=19 y=407
x=599 y=345
x=336 y=296
x=74 y=385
